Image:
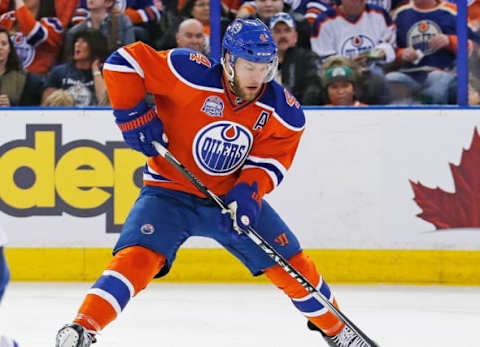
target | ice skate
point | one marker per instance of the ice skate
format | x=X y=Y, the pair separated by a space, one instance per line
x=345 y=338
x=74 y=335
x=8 y=342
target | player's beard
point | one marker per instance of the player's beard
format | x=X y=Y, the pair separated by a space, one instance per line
x=243 y=93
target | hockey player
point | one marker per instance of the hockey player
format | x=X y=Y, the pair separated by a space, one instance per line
x=237 y=131
x=4 y=278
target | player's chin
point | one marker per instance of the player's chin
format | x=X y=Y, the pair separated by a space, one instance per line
x=251 y=92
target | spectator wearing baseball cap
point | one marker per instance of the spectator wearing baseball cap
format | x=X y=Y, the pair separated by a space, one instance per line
x=340 y=80
x=298 y=67
x=282 y=17
x=265 y=10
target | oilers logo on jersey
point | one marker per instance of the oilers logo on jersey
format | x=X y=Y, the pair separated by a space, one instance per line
x=213 y=106
x=357 y=44
x=420 y=33
x=221 y=147
x=147 y=229
x=220 y=150
x=25 y=51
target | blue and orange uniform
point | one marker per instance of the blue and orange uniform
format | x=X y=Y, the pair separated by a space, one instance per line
x=223 y=141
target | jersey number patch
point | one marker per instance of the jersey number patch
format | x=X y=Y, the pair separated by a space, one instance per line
x=200 y=59
x=291 y=99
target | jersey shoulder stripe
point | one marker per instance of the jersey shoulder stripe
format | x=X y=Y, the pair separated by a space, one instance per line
x=283 y=105
x=323 y=18
x=54 y=23
x=194 y=69
x=131 y=61
x=401 y=9
x=449 y=7
x=115 y=62
x=380 y=10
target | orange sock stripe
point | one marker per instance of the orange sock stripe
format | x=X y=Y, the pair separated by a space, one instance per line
x=327 y=321
x=138 y=264
x=95 y=313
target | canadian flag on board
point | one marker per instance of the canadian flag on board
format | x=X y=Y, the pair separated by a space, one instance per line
x=460 y=209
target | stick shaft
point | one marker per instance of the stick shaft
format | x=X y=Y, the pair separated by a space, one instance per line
x=264 y=245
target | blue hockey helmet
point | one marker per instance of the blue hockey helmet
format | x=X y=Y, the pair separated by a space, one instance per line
x=251 y=40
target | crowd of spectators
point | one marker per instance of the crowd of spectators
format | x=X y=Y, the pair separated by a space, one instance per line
x=331 y=52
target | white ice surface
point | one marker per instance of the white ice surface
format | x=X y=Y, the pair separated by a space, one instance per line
x=206 y=315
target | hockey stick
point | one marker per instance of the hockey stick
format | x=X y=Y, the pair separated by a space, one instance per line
x=264 y=245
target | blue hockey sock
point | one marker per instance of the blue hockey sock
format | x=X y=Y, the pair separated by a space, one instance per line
x=4 y=273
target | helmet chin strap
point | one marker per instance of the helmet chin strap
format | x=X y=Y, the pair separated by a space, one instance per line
x=230 y=73
x=273 y=70
x=228 y=69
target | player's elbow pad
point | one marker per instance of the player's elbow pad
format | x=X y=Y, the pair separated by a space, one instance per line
x=140 y=126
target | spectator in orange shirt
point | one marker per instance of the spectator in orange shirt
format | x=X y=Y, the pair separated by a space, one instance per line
x=36 y=33
x=17 y=87
x=65 y=10
x=473 y=12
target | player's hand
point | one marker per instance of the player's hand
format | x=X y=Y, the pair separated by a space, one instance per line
x=4 y=100
x=377 y=54
x=360 y=59
x=96 y=66
x=408 y=55
x=473 y=96
x=244 y=205
x=19 y=3
x=438 y=42
x=140 y=126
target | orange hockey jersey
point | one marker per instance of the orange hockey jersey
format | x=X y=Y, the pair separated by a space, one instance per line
x=220 y=139
x=37 y=42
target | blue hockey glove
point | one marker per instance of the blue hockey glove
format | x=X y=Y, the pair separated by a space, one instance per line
x=244 y=205
x=140 y=126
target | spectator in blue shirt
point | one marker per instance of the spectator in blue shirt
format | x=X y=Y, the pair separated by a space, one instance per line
x=82 y=76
